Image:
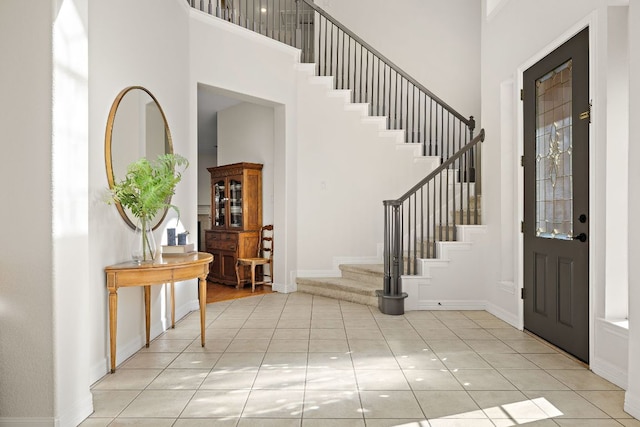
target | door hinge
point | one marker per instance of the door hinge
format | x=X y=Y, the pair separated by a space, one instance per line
x=522 y=226
x=521 y=94
x=523 y=293
x=586 y=114
x=522 y=161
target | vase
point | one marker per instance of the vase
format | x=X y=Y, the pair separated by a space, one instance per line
x=143 y=245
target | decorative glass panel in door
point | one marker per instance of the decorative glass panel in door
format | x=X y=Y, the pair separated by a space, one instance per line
x=220 y=204
x=235 y=198
x=554 y=188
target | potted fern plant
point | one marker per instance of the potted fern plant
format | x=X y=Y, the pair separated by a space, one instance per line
x=145 y=190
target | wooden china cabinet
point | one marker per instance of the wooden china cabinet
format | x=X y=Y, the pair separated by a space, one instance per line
x=236 y=218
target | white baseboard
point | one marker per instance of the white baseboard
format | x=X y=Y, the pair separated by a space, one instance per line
x=503 y=315
x=124 y=351
x=451 y=305
x=632 y=405
x=609 y=372
x=79 y=412
x=318 y=273
x=28 y=422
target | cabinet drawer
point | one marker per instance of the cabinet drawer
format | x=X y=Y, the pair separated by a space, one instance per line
x=223 y=245
x=221 y=241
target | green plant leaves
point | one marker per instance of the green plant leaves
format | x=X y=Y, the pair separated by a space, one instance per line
x=148 y=186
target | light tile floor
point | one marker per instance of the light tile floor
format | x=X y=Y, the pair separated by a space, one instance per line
x=296 y=360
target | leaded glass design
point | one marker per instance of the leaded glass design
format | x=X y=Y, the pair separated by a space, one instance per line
x=554 y=178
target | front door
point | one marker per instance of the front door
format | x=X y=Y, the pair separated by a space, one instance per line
x=556 y=197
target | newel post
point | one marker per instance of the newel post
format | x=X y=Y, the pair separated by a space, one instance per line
x=391 y=298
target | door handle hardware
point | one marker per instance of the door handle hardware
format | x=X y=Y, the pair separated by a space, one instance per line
x=582 y=237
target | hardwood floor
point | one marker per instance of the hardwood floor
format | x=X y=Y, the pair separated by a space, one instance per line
x=218 y=292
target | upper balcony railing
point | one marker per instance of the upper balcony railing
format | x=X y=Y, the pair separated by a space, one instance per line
x=355 y=65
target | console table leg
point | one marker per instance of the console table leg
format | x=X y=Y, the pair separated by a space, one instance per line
x=147 y=311
x=173 y=306
x=113 y=321
x=202 y=292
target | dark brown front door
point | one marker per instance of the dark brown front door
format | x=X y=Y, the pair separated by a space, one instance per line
x=556 y=197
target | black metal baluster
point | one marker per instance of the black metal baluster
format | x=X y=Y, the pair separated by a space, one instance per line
x=424 y=130
x=384 y=91
x=342 y=65
x=349 y=84
x=406 y=120
x=318 y=52
x=326 y=28
x=331 y=52
x=419 y=117
x=360 y=95
x=421 y=240
x=395 y=105
x=366 y=77
x=401 y=102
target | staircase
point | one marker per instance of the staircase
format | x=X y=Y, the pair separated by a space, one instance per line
x=358 y=283
x=350 y=79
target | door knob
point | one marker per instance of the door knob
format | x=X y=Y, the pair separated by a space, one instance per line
x=582 y=237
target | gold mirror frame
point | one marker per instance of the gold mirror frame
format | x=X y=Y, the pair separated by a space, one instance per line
x=108 y=152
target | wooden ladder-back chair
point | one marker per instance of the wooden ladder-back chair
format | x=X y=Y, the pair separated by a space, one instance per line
x=264 y=257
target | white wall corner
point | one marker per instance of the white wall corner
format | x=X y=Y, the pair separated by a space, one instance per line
x=285 y=288
x=493 y=8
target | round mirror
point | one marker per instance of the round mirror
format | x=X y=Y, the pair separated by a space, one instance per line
x=136 y=128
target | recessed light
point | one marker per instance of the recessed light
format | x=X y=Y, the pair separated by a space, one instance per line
x=263 y=10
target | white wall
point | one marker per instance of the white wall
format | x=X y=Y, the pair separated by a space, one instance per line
x=346 y=168
x=436 y=42
x=246 y=134
x=26 y=335
x=70 y=160
x=260 y=71
x=503 y=59
x=134 y=43
x=632 y=398
x=123 y=58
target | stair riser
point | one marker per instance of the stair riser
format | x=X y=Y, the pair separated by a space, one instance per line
x=338 y=294
x=363 y=277
x=311 y=283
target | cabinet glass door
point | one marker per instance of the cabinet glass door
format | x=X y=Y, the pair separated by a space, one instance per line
x=220 y=204
x=235 y=202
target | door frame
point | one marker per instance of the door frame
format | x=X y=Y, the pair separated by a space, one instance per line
x=594 y=214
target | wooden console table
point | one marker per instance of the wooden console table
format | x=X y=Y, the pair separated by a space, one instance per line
x=168 y=269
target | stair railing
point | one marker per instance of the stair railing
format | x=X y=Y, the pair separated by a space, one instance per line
x=356 y=66
x=427 y=214
x=447 y=197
